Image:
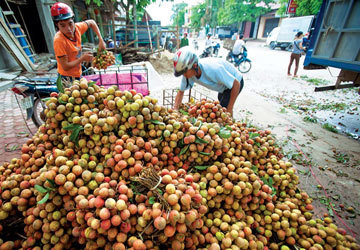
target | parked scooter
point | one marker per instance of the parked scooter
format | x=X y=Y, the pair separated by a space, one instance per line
x=240 y=61
x=35 y=91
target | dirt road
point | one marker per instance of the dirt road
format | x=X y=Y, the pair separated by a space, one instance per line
x=303 y=121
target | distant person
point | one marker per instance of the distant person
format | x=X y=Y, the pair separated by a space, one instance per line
x=162 y=40
x=238 y=46
x=296 y=53
x=184 y=41
x=234 y=36
x=208 y=41
x=306 y=41
x=213 y=73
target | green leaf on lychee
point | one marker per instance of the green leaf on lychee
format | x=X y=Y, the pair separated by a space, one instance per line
x=204 y=153
x=52 y=182
x=43 y=200
x=183 y=112
x=160 y=191
x=59 y=84
x=156 y=122
x=40 y=189
x=152 y=200
x=253 y=135
x=184 y=149
x=192 y=120
x=224 y=133
x=228 y=127
x=255 y=169
x=201 y=167
x=62 y=102
x=199 y=140
x=47 y=99
x=91 y=83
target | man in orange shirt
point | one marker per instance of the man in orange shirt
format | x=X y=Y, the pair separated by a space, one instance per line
x=67 y=41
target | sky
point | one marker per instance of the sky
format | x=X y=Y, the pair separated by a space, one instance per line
x=161 y=10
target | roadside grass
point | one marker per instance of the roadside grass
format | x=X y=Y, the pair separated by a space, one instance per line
x=315 y=81
x=329 y=127
x=341 y=157
x=310 y=119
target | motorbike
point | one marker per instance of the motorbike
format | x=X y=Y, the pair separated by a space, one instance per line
x=240 y=61
x=212 y=50
x=36 y=91
x=216 y=49
x=206 y=53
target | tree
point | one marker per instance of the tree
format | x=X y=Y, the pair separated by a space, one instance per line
x=205 y=13
x=304 y=8
x=235 y=11
x=308 y=7
x=197 y=14
x=178 y=16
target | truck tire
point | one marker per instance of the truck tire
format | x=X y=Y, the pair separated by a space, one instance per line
x=272 y=45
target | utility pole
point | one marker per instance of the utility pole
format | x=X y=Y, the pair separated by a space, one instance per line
x=135 y=25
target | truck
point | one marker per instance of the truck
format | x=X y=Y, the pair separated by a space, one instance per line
x=223 y=32
x=282 y=37
x=335 y=42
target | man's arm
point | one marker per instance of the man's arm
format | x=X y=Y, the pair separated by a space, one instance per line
x=233 y=95
x=66 y=65
x=178 y=99
x=92 y=24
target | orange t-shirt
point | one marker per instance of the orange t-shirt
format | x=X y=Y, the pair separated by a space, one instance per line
x=65 y=47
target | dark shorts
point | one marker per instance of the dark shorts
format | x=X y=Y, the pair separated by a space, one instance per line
x=224 y=97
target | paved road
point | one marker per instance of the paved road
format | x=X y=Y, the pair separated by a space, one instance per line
x=13 y=131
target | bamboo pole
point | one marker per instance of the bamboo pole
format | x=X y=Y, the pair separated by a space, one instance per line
x=147 y=22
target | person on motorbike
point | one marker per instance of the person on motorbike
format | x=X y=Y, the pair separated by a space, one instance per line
x=238 y=46
x=208 y=41
x=213 y=73
x=67 y=41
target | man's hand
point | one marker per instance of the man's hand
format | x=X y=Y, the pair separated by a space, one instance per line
x=178 y=99
x=230 y=110
x=102 y=45
x=233 y=95
x=87 y=57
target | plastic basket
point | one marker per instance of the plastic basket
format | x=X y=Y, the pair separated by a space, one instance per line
x=124 y=77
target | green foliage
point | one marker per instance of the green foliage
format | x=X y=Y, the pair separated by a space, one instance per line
x=238 y=11
x=205 y=13
x=308 y=7
x=178 y=16
x=283 y=7
x=304 y=8
x=197 y=14
x=97 y=2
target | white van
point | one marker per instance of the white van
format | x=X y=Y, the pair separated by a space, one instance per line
x=283 y=36
x=272 y=37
